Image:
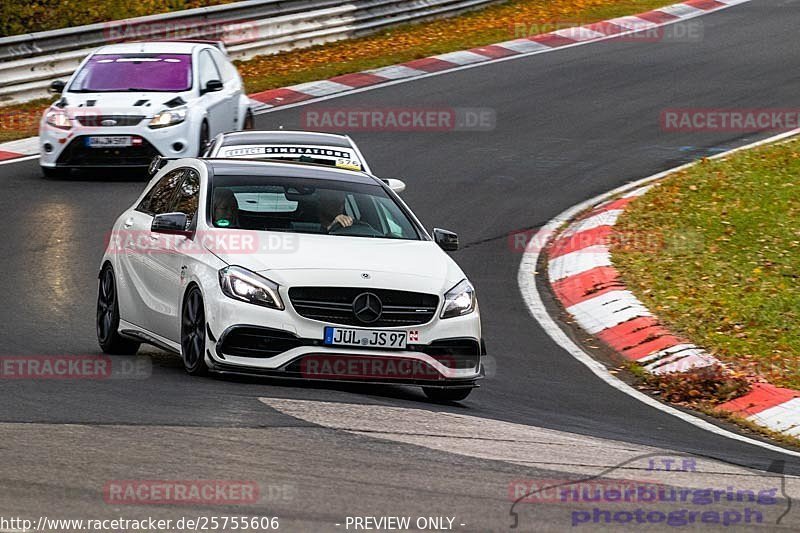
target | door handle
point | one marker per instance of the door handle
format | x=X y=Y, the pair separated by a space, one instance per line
x=128 y=223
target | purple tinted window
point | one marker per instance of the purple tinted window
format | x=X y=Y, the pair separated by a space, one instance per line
x=126 y=72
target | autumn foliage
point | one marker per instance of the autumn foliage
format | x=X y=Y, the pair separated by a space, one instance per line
x=709 y=386
x=25 y=16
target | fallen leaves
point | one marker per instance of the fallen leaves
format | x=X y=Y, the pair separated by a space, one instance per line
x=709 y=386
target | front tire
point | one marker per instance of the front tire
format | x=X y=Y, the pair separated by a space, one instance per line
x=446 y=395
x=193 y=333
x=111 y=342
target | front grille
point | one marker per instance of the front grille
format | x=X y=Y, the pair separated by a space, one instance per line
x=263 y=343
x=96 y=121
x=78 y=154
x=335 y=305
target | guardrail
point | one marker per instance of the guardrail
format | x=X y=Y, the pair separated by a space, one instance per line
x=29 y=62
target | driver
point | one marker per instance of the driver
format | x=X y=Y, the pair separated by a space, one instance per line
x=226 y=209
x=331 y=210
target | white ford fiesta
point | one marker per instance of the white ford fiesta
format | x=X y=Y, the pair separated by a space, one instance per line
x=289 y=269
x=127 y=103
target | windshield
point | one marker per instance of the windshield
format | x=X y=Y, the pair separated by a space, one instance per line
x=300 y=205
x=135 y=72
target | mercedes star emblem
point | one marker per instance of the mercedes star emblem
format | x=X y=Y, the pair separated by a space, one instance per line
x=367 y=307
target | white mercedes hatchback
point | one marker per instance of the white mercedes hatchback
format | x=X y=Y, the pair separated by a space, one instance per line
x=287 y=269
x=127 y=103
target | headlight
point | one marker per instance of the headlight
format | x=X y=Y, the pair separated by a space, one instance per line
x=170 y=117
x=241 y=284
x=460 y=300
x=58 y=119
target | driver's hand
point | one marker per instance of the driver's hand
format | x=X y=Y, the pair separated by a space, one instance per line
x=343 y=220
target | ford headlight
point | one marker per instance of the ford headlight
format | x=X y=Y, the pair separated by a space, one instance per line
x=241 y=284
x=460 y=300
x=58 y=119
x=168 y=117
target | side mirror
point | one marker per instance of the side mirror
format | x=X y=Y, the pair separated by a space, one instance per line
x=447 y=240
x=396 y=185
x=170 y=223
x=156 y=164
x=57 y=86
x=213 y=86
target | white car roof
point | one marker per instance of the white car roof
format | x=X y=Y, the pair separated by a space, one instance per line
x=151 y=47
x=289 y=132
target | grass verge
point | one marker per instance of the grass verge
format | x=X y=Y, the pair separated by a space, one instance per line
x=726 y=273
x=496 y=23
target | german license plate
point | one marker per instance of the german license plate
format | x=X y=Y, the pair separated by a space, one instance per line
x=109 y=141
x=365 y=338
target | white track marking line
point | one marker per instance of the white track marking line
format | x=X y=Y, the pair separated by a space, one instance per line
x=632 y=22
x=606 y=218
x=396 y=72
x=583 y=260
x=523 y=46
x=579 y=33
x=463 y=57
x=681 y=10
x=19 y=159
x=784 y=417
x=319 y=88
x=28 y=145
x=655 y=357
x=533 y=300
x=607 y=310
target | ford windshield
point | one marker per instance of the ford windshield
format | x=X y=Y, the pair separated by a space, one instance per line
x=135 y=72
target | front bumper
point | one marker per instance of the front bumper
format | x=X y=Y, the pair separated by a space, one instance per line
x=67 y=148
x=245 y=338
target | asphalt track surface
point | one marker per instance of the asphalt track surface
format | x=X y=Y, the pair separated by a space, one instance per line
x=570 y=124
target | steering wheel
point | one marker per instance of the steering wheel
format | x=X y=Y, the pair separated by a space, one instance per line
x=336 y=228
